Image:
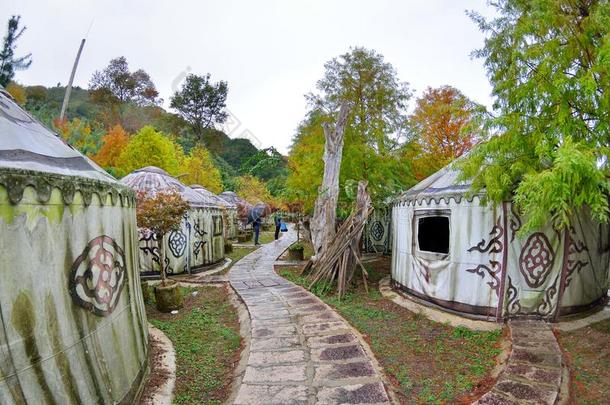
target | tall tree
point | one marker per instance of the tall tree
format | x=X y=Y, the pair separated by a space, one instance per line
x=149 y=147
x=253 y=190
x=364 y=79
x=549 y=64
x=117 y=83
x=445 y=126
x=113 y=144
x=324 y=217
x=201 y=102
x=375 y=130
x=265 y=164
x=199 y=168
x=9 y=63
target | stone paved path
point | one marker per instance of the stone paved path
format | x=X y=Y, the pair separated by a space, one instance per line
x=533 y=373
x=301 y=351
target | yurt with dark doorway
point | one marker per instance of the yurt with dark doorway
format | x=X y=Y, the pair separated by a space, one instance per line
x=229 y=210
x=197 y=243
x=451 y=251
x=74 y=327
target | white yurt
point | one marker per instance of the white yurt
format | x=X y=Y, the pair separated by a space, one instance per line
x=229 y=210
x=197 y=243
x=455 y=253
x=243 y=207
x=74 y=328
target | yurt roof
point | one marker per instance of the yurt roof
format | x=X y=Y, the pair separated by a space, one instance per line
x=25 y=144
x=442 y=184
x=152 y=180
x=212 y=198
x=231 y=197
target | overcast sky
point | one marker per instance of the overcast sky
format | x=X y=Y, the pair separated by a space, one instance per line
x=270 y=52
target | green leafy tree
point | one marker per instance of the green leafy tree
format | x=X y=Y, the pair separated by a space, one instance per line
x=9 y=63
x=201 y=102
x=370 y=84
x=374 y=133
x=265 y=164
x=549 y=64
x=149 y=147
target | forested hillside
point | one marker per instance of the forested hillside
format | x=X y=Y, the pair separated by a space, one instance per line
x=119 y=122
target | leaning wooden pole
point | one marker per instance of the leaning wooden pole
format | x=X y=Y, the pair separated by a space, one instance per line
x=325 y=210
x=64 y=105
x=338 y=262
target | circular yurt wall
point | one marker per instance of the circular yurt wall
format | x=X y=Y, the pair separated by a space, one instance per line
x=219 y=206
x=192 y=246
x=451 y=251
x=73 y=321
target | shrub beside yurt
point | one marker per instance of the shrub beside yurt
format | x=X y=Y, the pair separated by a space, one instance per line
x=73 y=320
x=451 y=251
x=197 y=243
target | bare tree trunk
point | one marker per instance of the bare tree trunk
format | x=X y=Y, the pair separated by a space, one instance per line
x=325 y=210
x=162 y=259
x=341 y=257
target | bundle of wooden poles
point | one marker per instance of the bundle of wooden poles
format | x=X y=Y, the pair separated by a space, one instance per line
x=340 y=258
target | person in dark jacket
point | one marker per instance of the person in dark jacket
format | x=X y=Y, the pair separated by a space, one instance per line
x=256 y=225
x=277 y=220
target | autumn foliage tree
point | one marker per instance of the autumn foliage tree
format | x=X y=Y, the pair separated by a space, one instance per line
x=80 y=134
x=116 y=83
x=444 y=126
x=160 y=213
x=149 y=147
x=253 y=190
x=113 y=144
x=198 y=168
x=17 y=92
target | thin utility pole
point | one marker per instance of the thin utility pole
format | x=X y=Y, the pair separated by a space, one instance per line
x=64 y=106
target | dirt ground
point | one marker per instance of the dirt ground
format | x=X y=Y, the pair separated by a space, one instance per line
x=587 y=351
x=157 y=376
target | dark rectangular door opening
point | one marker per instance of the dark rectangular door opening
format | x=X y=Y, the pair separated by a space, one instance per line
x=433 y=234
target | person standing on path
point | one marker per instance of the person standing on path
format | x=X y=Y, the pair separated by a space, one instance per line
x=256 y=225
x=277 y=220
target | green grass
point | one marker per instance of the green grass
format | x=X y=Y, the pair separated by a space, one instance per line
x=239 y=252
x=206 y=338
x=427 y=362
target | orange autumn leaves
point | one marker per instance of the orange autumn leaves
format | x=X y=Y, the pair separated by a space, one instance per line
x=444 y=123
x=113 y=143
x=121 y=153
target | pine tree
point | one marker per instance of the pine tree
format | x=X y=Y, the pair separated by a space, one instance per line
x=8 y=62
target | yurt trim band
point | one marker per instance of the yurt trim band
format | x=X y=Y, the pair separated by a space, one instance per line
x=16 y=181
